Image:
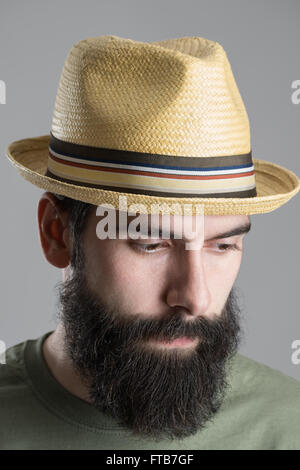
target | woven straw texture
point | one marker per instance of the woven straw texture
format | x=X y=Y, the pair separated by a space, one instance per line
x=149 y=97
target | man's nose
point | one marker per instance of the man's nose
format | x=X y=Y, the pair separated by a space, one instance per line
x=188 y=288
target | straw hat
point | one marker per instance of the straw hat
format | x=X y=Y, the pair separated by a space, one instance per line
x=157 y=122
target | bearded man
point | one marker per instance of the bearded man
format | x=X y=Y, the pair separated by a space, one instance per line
x=145 y=352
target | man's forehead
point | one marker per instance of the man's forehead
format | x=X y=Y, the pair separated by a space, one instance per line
x=207 y=225
x=212 y=219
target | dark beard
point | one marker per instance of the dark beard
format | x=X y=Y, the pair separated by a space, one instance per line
x=154 y=392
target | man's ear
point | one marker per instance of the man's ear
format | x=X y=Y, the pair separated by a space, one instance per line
x=54 y=232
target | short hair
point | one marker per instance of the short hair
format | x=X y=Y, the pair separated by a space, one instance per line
x=78 y=212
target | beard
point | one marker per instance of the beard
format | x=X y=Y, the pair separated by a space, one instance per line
x=151 y=391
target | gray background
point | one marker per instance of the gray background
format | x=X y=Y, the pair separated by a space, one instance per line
x=261 y=39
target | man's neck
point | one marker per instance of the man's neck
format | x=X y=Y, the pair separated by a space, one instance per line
x=61 y=366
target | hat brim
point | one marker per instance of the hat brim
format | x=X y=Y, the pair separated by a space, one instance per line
x=275 y=185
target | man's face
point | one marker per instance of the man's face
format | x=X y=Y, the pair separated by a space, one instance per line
x=150 y=325
x=144 y=279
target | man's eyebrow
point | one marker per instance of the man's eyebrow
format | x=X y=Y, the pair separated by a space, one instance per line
x=245 y=228
x=241 y=229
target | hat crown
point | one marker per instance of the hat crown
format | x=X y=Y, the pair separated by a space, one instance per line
x=172 y=97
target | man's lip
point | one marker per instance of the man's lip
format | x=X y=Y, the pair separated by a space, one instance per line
x=181 y=342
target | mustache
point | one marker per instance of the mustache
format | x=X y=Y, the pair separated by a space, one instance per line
x=167 y=328
x=110 y=327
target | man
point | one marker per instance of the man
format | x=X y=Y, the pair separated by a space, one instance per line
x=144 y=355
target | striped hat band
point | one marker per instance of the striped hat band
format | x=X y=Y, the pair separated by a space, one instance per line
x=151 y=174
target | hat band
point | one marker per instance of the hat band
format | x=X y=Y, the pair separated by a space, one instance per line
x=151 y=174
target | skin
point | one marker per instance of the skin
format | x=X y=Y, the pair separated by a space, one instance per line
x=197 y=281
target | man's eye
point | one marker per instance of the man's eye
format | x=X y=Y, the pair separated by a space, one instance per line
x=227 y=246
x=149 y=248
x=154 y=247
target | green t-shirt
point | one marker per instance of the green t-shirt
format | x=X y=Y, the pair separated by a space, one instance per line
x=261 y=410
